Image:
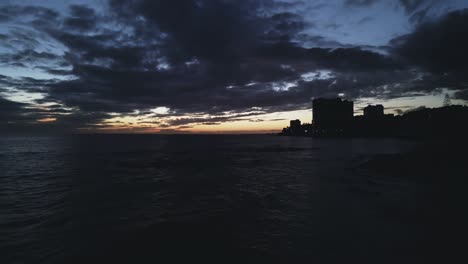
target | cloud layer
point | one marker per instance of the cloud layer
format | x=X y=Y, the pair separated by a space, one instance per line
x=206 y=62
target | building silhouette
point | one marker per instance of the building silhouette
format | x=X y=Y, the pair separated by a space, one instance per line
x=335 y=117
x=296 y=128
x=374 y=111
x=331 y=116
x=295 y=124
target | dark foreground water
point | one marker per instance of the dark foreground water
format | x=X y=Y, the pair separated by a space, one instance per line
x=240 y=199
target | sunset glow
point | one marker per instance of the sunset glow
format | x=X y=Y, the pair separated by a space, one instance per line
x=125 y=67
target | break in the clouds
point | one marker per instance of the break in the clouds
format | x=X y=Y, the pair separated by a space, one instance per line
x=149 y=65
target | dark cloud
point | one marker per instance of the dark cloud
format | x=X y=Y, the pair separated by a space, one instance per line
x=212 y=120
x=29 y=57
x=241 y=48
x=9 y=110
x=23 y=118
x=82 y=18
x=419 y=16
x=80 y=23
x=218 y=30
x=438 y=46
x=463 y=95
x=349 y=59
x=82 y=11
x=411 y=5
x=37 y=13
x=24 y=84
x=217 y=61
x=20 y=38
x=283 y=26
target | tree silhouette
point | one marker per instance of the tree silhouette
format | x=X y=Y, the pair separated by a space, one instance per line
x=447 y=100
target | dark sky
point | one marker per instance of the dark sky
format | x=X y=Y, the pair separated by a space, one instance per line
x=221 y=65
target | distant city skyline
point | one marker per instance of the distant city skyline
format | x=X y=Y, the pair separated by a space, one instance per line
x=334 y=117
x=142 y=66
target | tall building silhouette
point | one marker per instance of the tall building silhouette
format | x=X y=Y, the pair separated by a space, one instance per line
x=296 y=127
x=332 y=114
x=374 y=111
x=295 y=123
x=335 y=118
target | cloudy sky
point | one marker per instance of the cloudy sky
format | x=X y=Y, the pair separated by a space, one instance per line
x=152 y=66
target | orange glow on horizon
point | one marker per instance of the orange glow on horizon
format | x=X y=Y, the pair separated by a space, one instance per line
x=47 y=120
x=256 y=124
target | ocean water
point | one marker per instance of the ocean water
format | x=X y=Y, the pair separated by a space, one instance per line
x=220 y=198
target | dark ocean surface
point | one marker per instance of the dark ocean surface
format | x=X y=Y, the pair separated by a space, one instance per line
x=246 y=198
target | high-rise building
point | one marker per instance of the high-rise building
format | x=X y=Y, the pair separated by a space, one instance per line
x=295 y=127
x=374 y=111
x=332 y=113
x=295 y=123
